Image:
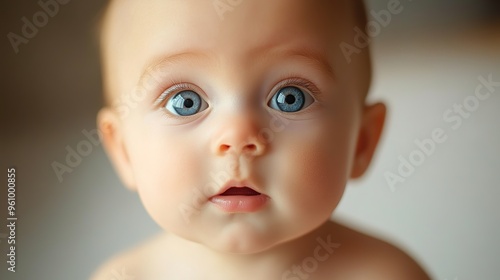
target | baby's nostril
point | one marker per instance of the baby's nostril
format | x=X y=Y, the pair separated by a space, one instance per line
x=224 y=148
x=251 y=147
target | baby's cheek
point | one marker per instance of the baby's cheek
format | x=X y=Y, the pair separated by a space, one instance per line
x=167 y=175
x=315 y=172
x=320 y=180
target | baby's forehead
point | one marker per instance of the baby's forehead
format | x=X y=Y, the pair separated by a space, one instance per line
x=139 y=32
x=223 y=22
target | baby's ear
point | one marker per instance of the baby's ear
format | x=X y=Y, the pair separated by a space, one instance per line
x=111 y=131
x=371 y=128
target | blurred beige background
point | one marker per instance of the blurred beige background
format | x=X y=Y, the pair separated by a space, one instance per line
x=429 y=58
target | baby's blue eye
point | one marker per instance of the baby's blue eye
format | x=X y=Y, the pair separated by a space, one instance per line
x=186 y=103
x=288 y=99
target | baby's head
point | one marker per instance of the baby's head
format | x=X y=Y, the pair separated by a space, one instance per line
x=238 y=122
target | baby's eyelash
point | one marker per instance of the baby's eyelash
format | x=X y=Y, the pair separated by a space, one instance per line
x=177 y=87
x=302 y=83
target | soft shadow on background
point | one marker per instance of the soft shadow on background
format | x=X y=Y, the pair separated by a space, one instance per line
x=427 y=59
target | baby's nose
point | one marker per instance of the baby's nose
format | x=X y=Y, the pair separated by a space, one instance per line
x=239 y=136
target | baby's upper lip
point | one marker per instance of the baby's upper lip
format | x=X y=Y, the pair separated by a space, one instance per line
x=238 y=184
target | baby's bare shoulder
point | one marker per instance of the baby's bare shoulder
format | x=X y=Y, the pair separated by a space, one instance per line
x=130 y=264
x=361 y=256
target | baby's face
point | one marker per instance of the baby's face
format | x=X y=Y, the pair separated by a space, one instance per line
x=258 y=95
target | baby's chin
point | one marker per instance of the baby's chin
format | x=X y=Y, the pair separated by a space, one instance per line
x=235 y=242
x=244 y=243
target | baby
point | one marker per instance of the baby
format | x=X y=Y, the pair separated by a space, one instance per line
x=238 y=123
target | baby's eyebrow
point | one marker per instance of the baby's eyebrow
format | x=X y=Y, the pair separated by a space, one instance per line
x=316 y=58
x=307 y=52
x=165 y=62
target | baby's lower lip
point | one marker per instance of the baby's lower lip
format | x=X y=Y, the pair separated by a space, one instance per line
x=240 y=203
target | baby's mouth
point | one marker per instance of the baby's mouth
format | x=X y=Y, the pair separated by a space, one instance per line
x=245 y=191
x=239 y=199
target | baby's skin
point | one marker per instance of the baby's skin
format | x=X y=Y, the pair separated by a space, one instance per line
x=239 y=123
